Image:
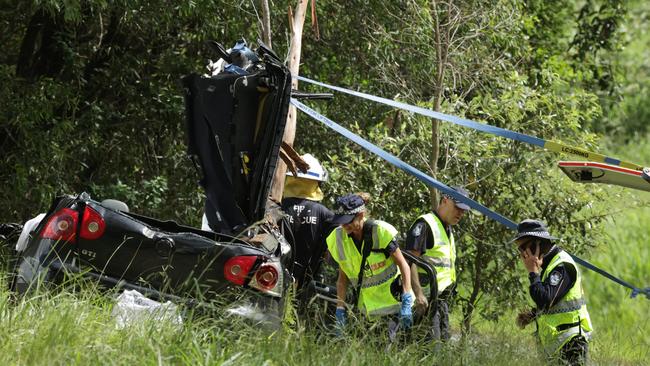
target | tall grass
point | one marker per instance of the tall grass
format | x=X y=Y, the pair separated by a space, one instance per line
x=76 y=328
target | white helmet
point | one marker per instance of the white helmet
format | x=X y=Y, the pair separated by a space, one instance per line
x=315 y=172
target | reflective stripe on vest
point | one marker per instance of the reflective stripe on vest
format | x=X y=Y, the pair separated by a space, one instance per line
x=388 y=310
x=375 y=237
x=566 y=336
x=339 y=243
x=443 y=253
x=565 y=306
x=388 y=274
x=439 y=262
x=571 y=309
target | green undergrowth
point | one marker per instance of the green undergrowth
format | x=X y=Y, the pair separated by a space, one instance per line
x=76 y=327
x=622 y=322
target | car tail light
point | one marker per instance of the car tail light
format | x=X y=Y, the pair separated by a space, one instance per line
x=268 y=278
x=92 y=225
x=237 y=268
x=62 y=226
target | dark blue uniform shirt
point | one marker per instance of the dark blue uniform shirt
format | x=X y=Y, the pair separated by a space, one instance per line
x=557 y=283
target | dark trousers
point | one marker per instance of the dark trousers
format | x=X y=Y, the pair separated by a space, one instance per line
x=439 y=322
x=574 y=352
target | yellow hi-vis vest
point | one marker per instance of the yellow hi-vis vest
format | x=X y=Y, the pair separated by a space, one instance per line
x=568 y=317
x=443 y=253
x=375 y=298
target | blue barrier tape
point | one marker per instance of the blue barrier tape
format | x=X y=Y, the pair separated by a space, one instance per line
x=635 y=290
x=433 y=114
x=403 y=166
x=532 y=140
x=645 y=291
x=445 y=189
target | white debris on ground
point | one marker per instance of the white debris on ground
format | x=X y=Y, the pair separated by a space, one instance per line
x=266 y=318
x=134 y=308
x=21 y=244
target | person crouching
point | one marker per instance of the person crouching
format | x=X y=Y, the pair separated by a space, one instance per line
x=563 y=323
x=369 y=257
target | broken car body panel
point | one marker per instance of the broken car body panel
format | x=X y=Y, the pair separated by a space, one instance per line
x=235 y=125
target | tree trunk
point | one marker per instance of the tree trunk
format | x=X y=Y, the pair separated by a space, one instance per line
x=41 y=51
x=468 y=311
x=266 y=23
x=294 y=64
x=441 y=59
x=28 y=45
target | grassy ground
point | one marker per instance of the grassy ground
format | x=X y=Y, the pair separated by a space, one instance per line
x=77 y=328
x=622 y=322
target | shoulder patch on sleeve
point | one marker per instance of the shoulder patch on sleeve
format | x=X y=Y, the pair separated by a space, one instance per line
x=555 y=278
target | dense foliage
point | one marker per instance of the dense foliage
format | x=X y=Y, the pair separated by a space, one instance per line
x=497 y=71
x=90 y=101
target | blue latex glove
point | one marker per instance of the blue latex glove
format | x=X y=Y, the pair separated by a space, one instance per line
x=405 y=312
x=341 y=320
x=341 y=317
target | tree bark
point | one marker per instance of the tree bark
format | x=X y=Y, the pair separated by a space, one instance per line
x=468 y=311
x=266 y=23
x=294 y=65
x=441 y=59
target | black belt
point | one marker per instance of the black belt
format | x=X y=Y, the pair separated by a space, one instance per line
x=562 y=327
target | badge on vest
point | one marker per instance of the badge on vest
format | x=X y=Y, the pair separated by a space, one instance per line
x=555 y=278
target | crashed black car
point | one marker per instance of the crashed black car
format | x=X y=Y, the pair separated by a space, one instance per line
x=235 y=122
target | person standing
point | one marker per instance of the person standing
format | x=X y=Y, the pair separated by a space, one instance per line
x=431 y=238
x=308 y=221
x=370 y=259
x=563 y=324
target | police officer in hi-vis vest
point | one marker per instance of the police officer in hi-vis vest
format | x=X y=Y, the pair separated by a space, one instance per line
x=563 y=324
x=370 y=259
x=431 y=238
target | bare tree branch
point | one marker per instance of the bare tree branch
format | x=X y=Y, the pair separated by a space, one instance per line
x=298 y=22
